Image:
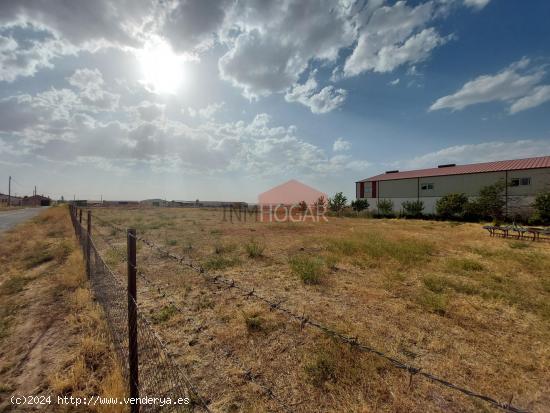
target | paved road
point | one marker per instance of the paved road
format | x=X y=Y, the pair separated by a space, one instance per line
x=9 y=219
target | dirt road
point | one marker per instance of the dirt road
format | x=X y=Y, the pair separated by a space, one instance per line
x=9 y=219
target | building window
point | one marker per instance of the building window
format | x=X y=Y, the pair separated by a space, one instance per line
x=427 y=187
x=520 y=181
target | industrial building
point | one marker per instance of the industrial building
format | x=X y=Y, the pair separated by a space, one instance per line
x=525 y=179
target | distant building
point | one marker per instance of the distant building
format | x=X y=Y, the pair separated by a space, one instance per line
x=156 y=202
x=524 y=177
x=207 y=204
x=36 y=201
x=15 y=201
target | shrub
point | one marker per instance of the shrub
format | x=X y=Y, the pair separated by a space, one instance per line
x=413 y=208
x=321 y=369
x=385 y=207
x=254 y=322
x=542 y=207
x=309 y=269
x=254 y=249
x=491 y=201
x=320 y=204
x=359 y=205
x=337 y=202
x=451 y=205
x=219 y=262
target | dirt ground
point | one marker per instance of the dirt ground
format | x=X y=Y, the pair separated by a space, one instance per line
x=442 y=296
x=53 y=340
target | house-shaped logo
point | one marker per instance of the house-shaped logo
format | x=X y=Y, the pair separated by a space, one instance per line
x=290 y=193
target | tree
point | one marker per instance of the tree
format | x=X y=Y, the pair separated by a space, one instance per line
x=359 y=205
x=542 y=207
x=302 y=205
x=491 y=200
x=320 y=203
x=451 y=205
x=337 y=202
x=413 y=208
x=385 y=207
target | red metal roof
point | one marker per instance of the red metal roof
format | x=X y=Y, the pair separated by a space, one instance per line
x=528 y=163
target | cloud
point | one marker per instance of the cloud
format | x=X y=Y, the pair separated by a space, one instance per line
x=480 y=152
x=341 y=145
x=394 y=82
x=56 y=126
x=24 y=57
x=82 y=22
x=476 y=4
x=393 y=36
x=192 y=25
x=92 y=95
x=515 y=85
x=538 y=96
x=271 y=44
x=318 y=101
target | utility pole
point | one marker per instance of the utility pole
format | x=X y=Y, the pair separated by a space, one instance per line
x=9 y=192
x=35 y=190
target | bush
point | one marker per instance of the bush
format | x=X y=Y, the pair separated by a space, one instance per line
x=359 y=205
x=337 y=202
x=413 y=208
x=302 y=205
x=542 y=207
x=309 y=269
x=451 y=205
x=491 y=200
x=385 y=207
x=254 y=249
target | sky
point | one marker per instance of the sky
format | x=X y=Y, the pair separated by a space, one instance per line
x=224 y=99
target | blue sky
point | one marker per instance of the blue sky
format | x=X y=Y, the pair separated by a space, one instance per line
x=221 y=100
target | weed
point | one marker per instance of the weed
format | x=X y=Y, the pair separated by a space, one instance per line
x=463 y=265
x=38 y=255
x=218 y=262
x=321 y=369
x=309 y=269
x=374 y=246
x=254 y=248
x=254 y=322
x=14 y=285
x=172 y=242
x=519 y=245
x=434 y=302
x=331 y=261
x=165 y=313
x=221 y=248
x=434 y=283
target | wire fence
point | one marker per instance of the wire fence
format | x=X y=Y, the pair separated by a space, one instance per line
x=303 y=320
x=159 y=375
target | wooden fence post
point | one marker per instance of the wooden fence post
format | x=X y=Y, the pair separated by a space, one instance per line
x=88 y=244
x=132 y=319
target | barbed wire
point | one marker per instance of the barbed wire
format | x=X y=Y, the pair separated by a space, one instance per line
x=353 y=341
x=248 y=374
x=176 y=374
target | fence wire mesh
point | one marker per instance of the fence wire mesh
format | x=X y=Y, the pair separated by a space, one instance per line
x=159 y=375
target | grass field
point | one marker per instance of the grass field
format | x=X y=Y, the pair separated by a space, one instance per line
x=53 y=338
x=442 y=296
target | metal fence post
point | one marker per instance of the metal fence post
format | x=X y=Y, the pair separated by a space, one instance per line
x=88 y=246
x=80 y=218
x=132 y=319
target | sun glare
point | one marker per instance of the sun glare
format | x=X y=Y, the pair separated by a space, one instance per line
x=162 y=70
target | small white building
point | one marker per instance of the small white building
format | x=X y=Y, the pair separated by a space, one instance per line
x=525 y=179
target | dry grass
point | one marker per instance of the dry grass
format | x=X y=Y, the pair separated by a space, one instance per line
x=447 y=298
x=53 y=339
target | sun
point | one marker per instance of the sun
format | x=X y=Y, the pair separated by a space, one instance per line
x=162 y=70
